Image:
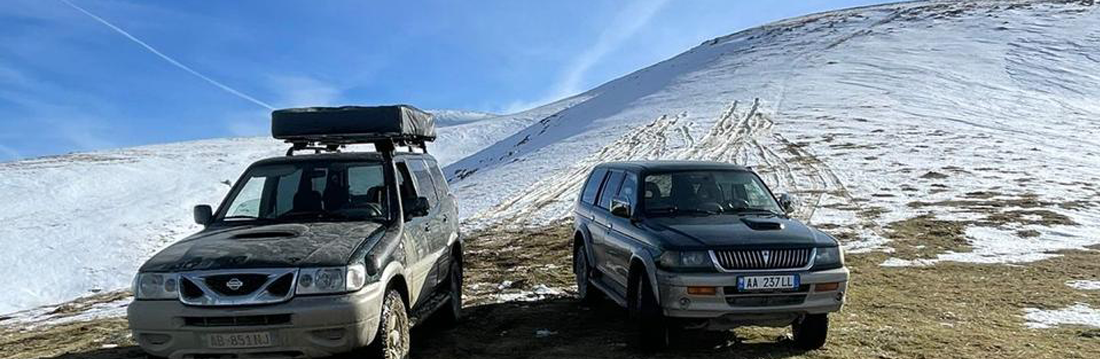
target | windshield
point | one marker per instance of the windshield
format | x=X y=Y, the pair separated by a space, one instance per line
x=310 y=191
x=707 y=192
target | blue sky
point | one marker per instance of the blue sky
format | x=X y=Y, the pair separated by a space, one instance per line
x=81 y=75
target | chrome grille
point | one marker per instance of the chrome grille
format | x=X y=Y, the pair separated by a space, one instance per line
x=764 y=259
x=237 y=287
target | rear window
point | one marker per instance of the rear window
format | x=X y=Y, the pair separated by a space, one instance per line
x=593 y=186
x=424 y=184
x=440 y=182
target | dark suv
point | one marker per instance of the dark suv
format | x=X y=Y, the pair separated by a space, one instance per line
x=703 y=245
x=312 y=255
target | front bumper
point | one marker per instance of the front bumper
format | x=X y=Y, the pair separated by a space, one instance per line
x=728 y=309
x=318 y=326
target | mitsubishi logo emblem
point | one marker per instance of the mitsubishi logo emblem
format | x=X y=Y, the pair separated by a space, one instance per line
x=234 y=284
x=767 y=257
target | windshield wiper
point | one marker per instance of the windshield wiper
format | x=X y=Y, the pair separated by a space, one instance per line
x=663 y=210
x=700 y=211
x=673 y=211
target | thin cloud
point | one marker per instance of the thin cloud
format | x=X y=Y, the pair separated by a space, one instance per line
x=627 y=23
x=169 y=59
x=622 y=28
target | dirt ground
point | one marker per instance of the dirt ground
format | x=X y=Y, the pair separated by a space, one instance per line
x=949 y=310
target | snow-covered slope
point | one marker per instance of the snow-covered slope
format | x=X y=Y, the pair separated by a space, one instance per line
x=983 y=112
x=84 y=222
x=978 y=112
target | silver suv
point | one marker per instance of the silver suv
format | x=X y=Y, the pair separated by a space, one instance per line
x=703 y=245
x=312 y=255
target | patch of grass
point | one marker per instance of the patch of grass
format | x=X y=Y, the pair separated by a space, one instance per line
x=924 y=237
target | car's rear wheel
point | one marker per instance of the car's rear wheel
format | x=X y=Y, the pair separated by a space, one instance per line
x=452 y=313
x=653 y=327
x=586 y=292
x=811 y=332
x=392 y=339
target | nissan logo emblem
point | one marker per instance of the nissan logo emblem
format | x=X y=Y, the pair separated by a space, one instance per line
x=234 y=284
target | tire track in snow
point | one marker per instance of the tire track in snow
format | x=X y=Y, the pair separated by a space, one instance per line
x=649 y=141
x=740 y=136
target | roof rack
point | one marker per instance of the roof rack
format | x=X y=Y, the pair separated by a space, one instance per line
x=329 y=129
x=335 y=145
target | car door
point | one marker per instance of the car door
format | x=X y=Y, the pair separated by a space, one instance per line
x=435 y=230
x=601 y=224
x=619 y=241
x=417 y=247
x=447 y=217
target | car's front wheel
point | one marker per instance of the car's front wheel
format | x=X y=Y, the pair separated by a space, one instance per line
x=810 y=333
x=586 y=292
x=653 y=328
x=392 y=340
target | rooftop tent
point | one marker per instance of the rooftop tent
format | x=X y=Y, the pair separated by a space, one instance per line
x=352 y=124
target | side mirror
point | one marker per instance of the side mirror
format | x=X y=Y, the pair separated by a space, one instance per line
x=204 y=214
x=620 y=208
x=786 y=202
x=419 y=208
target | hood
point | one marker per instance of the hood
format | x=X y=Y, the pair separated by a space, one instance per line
x=731 y=232
x=264 y=246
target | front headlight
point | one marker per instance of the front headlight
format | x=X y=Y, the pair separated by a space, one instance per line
x=686 y=260
x=829 y=257
x=331 y=280
x=156 y=286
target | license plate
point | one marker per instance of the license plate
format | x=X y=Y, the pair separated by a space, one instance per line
x=767 y=282
x=239 y=340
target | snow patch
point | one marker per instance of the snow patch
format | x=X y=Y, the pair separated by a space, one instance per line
x=1077 y=314
x=1084 y=284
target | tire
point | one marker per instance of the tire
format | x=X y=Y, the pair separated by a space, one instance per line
x=451 y=313
x=653 y=328
x=811 y=332
x=586 y=292
x=392 y=339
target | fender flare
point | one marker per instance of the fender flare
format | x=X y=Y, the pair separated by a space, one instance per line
x=586 y=239
x=392 y=270
x=643 y=256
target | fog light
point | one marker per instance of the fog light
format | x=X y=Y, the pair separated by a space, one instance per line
x=826 y=287
x=702 y=290
x=155 y=339
x=684 y=303
x=329 y=334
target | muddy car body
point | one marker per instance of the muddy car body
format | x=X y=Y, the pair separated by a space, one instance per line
x=308 y=256
x=703 y=245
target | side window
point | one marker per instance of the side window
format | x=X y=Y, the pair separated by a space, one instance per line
x=593 y=186
x=424 y=184
x=405 y=186
x=440 y=182
x=629 y=188
x=610 y=189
